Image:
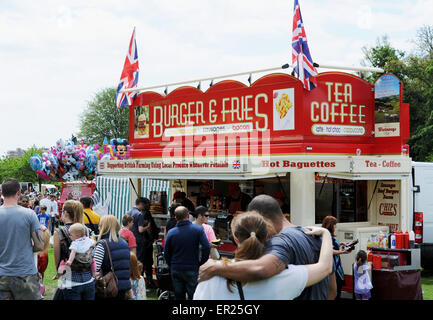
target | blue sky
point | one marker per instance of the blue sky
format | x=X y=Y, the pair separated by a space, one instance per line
x=56 y=54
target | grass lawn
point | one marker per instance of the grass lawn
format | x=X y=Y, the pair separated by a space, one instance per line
x=427 y=284
x=50 y=285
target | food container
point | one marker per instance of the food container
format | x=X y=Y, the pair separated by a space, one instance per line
x=377 y=262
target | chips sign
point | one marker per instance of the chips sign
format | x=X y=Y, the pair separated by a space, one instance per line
x=274 y=115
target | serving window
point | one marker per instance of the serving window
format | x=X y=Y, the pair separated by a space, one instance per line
x=344 y=199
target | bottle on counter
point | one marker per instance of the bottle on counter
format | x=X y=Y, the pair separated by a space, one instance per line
x=392 y=241
x=398 y=239
x=406 y=240
x=381 y=240
x=411 y=239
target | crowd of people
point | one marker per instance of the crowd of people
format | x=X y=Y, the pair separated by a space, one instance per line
x=274 y=259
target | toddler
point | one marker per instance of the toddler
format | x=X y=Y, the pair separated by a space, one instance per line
x=126 y=233
x=362 y=277
x=138 y=286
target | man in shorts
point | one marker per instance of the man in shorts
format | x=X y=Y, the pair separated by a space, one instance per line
x=19 y=278
x=290 y=246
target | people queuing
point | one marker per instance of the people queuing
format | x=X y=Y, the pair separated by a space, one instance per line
x=278 y=260
x=182 y=253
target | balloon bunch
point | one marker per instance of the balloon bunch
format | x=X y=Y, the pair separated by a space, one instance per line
x=67 y=162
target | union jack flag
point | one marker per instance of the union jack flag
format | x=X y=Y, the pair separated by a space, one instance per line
x=236 y=164
x=301 y=58
x=129 y=77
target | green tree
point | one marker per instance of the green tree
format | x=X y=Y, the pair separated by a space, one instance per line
x=102 y=119
x=19 y=168
x=415 y=72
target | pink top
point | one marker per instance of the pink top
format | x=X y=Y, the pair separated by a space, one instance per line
x=210 y=234
x=128 y=236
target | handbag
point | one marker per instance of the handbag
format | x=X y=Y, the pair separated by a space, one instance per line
x=106 y=285
x=58 y=294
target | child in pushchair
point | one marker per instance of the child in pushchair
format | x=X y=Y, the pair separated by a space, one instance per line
x=165 y=287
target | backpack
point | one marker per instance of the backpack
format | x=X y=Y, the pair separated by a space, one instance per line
x=91 y=226
x=82 y=261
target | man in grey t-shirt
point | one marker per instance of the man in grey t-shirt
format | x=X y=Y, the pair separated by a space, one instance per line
x=20 y=236
x=290 y=246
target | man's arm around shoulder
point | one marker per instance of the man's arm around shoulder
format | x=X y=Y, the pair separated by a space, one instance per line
x=248 y=270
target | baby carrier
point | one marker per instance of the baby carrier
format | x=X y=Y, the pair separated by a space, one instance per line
x=82 y=261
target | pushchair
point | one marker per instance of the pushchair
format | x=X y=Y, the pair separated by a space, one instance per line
x=165 y=286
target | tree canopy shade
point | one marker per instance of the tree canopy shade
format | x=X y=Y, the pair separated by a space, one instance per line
x=101 y=119
x=416 y=72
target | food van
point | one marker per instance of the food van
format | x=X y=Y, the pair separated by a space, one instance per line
x=339 y=149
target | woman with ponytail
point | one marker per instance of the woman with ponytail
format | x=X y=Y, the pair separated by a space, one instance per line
x=250 y=232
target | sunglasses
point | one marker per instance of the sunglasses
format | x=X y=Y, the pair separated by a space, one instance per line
x=206 y=215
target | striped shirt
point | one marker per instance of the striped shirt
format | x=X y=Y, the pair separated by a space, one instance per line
x=99 y=254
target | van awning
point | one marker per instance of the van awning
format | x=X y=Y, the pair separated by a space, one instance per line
x=251 y=167
x=349 y=176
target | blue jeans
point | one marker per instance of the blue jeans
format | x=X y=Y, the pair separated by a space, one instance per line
x=184 y=282
x=83 y=292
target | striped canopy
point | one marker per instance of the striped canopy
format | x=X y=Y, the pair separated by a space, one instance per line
x=115 y=192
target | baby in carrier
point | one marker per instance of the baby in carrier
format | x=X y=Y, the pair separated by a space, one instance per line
x=81 y=251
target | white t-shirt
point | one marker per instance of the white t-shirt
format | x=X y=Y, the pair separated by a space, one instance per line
x=47 y=203
x=54 y=208
x=286 y=285
x=81 y=245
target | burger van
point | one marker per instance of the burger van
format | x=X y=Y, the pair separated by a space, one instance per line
x=333 y=151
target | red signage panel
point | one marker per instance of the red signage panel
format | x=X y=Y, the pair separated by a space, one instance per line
x=274 y=115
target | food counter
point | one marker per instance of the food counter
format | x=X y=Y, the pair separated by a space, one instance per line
x=396 y=274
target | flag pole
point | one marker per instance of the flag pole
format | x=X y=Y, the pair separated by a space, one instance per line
x=286 y=66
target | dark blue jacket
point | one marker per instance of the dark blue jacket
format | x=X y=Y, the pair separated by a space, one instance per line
x=120 y=256
x=182 y=250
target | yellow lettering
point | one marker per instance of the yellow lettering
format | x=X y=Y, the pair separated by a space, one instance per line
x=261 y=115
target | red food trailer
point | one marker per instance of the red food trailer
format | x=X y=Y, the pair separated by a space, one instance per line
x=339 y=149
